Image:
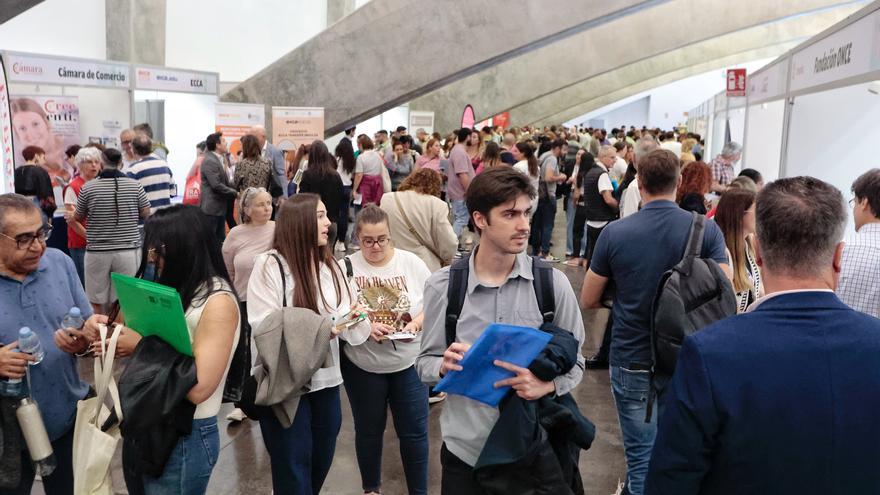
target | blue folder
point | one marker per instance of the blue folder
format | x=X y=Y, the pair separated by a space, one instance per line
x=513 y=344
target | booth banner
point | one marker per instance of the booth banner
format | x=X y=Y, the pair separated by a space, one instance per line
x=846 y=53
x=175 y=80
x=50 y=122
x=769 y=83
x=293 y=126
x=7 y=165
x=235 y=120
x=736 y=82
x=421 y=120
x=48 y=70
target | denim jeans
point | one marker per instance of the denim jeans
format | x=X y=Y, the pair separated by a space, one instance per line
x=544 y=219
x=302 y=454
x=630 y=389
x=370 y=396
x=459 y=216
x=78 y=255
x=189 y=468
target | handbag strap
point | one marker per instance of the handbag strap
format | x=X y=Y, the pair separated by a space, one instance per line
x=283 y=281
x=104 y=380
x=413 y=231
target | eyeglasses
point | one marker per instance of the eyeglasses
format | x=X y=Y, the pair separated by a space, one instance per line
x=25 y=241
x=370 y=242
x=852 y=202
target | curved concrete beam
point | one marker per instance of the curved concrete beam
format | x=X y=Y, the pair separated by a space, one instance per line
x=609 y=98
x=795 y=28
x=372 y=60
x=638 y=37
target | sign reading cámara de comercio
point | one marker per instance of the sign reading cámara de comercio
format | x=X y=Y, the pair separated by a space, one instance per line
x=49 y=70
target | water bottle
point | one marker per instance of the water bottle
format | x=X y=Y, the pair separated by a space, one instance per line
x=73 y=319
x=34 y=431
x=13 y=387
x=29 y=343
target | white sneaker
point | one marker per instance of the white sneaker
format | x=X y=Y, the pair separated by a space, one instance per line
x=236 y=415
x=437 y=398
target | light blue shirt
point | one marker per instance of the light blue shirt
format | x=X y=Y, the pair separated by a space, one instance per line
x=40 y=302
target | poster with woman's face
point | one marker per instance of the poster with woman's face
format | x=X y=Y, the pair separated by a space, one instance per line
x=50 y=122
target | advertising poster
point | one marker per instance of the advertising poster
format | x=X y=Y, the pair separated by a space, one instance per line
x=293 y=126
x=235 y=120
x=50 y=122
x=421 y=120
x=7 y=165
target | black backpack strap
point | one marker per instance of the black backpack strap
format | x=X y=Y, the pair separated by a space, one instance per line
x=283 y=280
x=349 y=270
x=694 y=246
x=543 y=283
x=456 y=292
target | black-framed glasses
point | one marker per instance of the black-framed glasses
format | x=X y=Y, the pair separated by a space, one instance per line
x=26 y=240
x=852 y=202
x=370 y=242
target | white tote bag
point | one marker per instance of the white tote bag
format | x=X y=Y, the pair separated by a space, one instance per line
x=92 y=448
x=386 y=180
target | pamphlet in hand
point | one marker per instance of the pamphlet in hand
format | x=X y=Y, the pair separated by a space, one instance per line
x=516 y=345
x=153 y=309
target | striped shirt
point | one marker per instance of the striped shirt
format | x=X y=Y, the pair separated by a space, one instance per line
x=859 y=285
x=155 y=177
x=112 y=212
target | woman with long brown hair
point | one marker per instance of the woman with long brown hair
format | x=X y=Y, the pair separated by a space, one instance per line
x=301 y=454
x=736 y=218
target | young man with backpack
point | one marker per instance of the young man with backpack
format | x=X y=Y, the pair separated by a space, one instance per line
x=635 y=253
x=497 y=284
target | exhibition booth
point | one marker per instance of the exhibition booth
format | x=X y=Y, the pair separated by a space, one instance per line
x=814 y=110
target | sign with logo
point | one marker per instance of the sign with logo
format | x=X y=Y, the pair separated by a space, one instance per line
x=7 y=164
x=736 y=82
x=49 y=70
x=50 y=122
x=849 y=52
x=293 y=126
x=175 y=80
x=769 y=83
x=501 y=120
x=235 y=120
x=421 y=120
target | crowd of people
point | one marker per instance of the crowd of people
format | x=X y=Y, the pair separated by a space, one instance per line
x=376 y=266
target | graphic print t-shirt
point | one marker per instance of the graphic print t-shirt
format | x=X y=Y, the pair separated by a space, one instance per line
x=391 y=294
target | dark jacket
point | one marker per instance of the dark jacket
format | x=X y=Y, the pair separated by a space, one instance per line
x=534 y=446
x=782 y=399
x=155 y=410
x=693 y=202
x=329 y=187
x=216 y=188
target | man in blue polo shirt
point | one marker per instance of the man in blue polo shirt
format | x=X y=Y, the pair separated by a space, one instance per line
x=634 y=252
x=38 y=286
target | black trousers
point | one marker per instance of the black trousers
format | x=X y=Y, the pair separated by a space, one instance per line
x=60 y=482
x=457 y=477
x=580 y=222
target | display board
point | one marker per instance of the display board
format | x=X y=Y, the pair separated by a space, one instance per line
x=7 y=164
x=45 y=69
x=235 y=120
x=294 y=126
x=421 y=120
x=162 y=79
x=50 y=122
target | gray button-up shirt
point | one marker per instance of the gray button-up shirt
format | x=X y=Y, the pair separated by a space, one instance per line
x=464 y=423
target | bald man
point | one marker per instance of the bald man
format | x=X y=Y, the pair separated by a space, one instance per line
x=274 y=155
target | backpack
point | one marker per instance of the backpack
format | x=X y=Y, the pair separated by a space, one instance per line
x=692 y=295
x=457 y=291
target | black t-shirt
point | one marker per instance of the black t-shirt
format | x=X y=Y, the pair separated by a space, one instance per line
x=32 y=180
x=328 y=186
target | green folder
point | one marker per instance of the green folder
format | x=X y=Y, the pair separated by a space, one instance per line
x=153 y=309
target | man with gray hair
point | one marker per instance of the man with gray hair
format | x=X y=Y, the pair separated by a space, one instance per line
x=779 y=399
x=722 y=166
x=275 y=157
x=631 y=200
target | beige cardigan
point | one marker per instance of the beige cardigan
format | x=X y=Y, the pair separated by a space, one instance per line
x=429 y=215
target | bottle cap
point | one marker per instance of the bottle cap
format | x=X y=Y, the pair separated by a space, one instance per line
x=74 y=311
x=24 y=332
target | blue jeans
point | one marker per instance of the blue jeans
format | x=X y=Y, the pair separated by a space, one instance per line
x=302 y=454
x=543 y=222
x=192 y=460
x=370 y=395
x=78 y=255
x=630 y=389
x=459 y=216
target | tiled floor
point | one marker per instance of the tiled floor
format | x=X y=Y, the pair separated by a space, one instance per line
x=243 y=465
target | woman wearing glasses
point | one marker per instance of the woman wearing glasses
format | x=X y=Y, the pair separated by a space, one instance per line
x=112 y=204
x=380 y=374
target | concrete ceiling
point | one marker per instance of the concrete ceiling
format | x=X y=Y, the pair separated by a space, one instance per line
x=390 y=51
x=12 y=8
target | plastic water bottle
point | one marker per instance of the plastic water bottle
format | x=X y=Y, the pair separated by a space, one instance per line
x=73 y=319
x=34 y=431
x=29 y=343
x=13 y=387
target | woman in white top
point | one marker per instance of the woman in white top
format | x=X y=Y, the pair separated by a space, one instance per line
x=380 y=374
x=367 y=185
x=301 y=454
x=527 y=163
x=346 y=164
x=179 y=252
